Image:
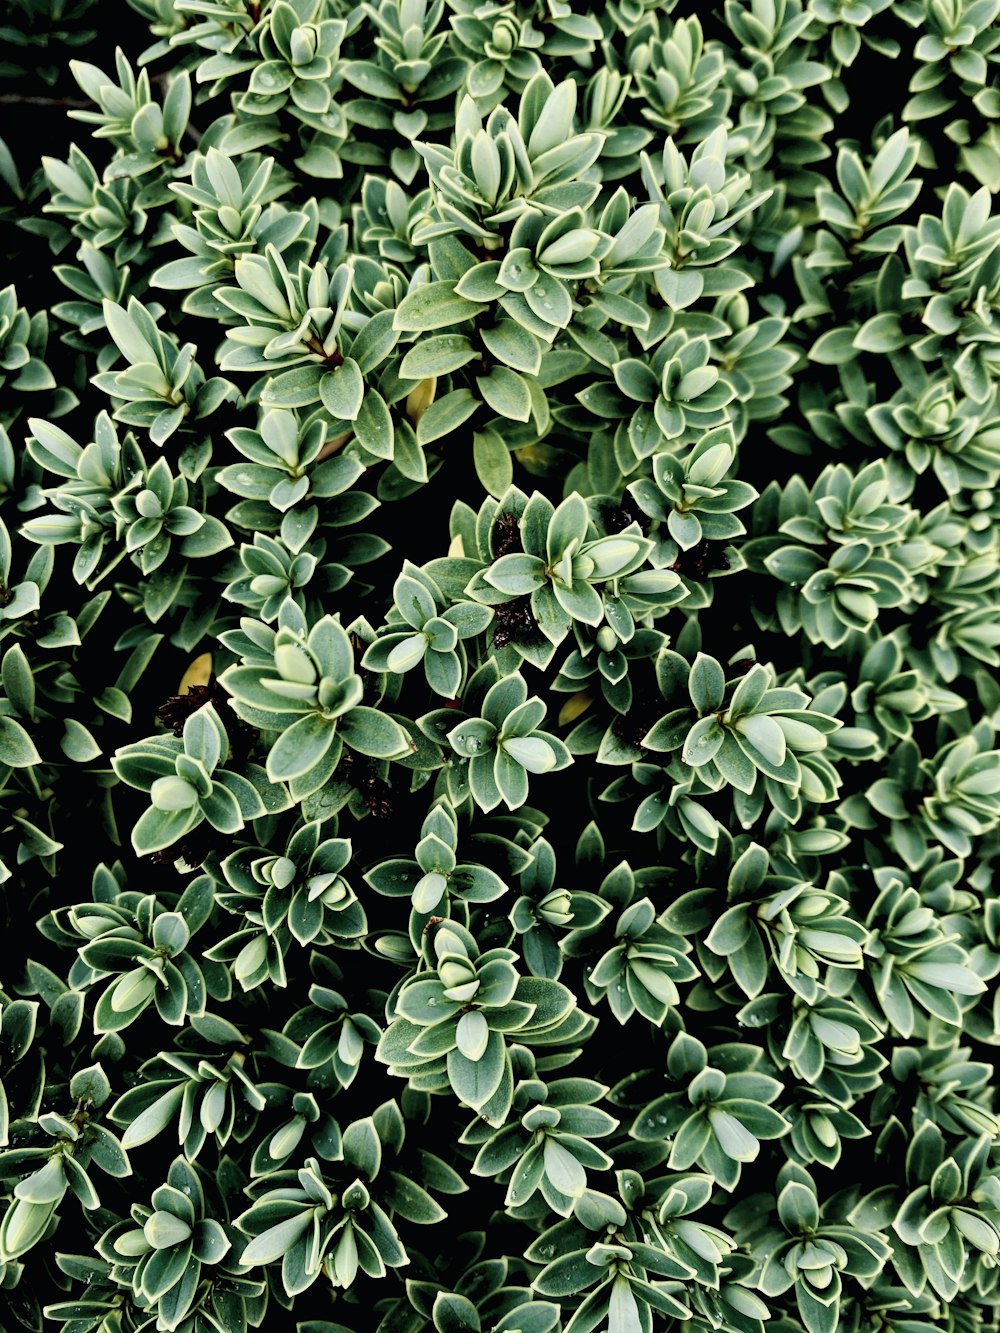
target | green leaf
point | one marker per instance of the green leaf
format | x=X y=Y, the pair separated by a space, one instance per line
x=373 y=425
x=435 y=305
x=342 y=391
x=706 y=684
x=475 y=1081
x=514 y=346
x=156 y=829
x=276 y=1241
x=300 y=748
x=454 y=1314
x=494 y=465
x=735 y=1140
x=17 y=750
x=374 y=343
x=563 y=1169
x=439 y=355
x=18 y=681
x=445 y=415
x=835 y=347
x=373 y=733
x=294 y=388
x=703 y=741
x=506 y=393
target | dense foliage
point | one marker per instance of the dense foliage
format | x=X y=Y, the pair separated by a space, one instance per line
x=498 y=618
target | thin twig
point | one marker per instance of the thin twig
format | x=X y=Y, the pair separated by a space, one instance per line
x=17 y=99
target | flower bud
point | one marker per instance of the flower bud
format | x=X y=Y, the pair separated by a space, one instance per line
x=531 y=752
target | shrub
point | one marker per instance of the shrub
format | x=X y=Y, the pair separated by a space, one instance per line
x=498 y=612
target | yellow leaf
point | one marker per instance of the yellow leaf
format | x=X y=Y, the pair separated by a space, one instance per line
x=575 y=706
x=457 y=548
x=532 y=455
x=198 y=673
x=418 y=400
